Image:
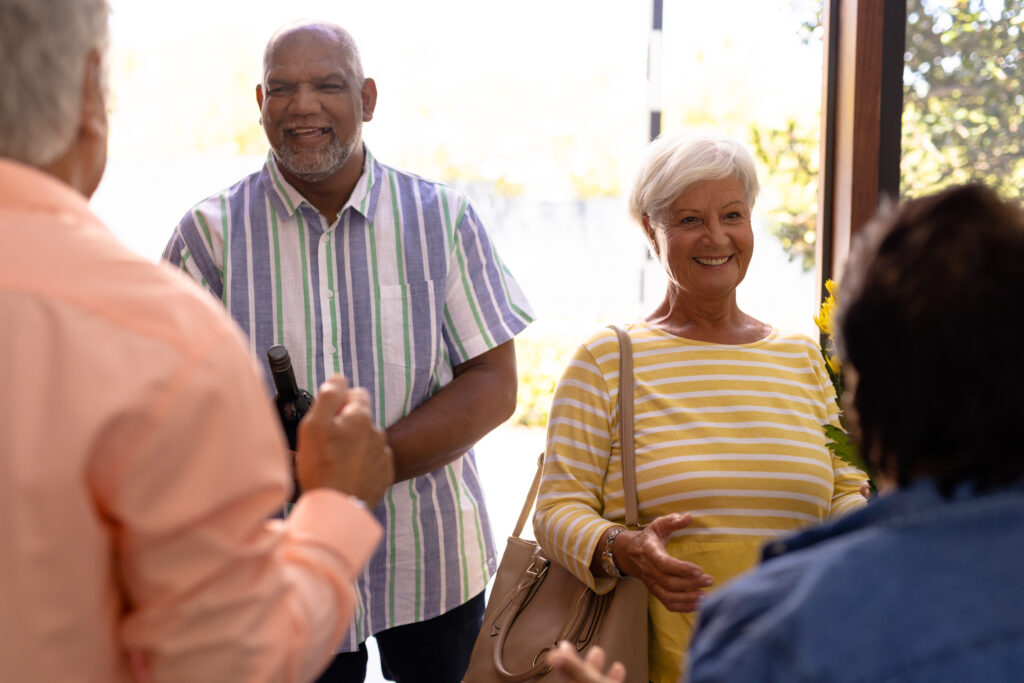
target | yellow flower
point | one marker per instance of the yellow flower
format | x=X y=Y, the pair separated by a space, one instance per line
x=824 y=318
x=834 y=364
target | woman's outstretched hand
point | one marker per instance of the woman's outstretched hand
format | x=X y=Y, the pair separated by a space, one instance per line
x=677 y=584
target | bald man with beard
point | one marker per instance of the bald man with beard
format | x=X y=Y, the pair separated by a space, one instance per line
x=390 y=279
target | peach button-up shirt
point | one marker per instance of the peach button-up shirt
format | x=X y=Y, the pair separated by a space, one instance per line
x=139 y=462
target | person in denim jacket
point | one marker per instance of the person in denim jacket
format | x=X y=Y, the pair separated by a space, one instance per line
x=925 y=583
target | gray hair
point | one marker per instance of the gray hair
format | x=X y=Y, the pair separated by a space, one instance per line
x=343 y=37
x=43 y=49
x=676 y=162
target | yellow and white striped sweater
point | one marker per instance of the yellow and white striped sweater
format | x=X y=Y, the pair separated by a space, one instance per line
x=729 y=433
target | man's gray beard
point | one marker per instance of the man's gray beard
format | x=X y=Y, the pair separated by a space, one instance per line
x=313 y=165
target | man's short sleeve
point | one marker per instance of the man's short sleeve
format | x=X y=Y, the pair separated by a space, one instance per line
x=484 y=305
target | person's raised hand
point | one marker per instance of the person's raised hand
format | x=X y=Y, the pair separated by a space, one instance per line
x=679 y=585
x=587 y=670
x=340 y=447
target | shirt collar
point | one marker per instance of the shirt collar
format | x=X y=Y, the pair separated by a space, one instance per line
x=26 y=186
x=363 y=198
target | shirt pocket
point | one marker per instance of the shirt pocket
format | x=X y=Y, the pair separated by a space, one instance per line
x=410 y=323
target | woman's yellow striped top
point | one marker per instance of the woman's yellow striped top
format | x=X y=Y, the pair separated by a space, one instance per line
x=729 y=433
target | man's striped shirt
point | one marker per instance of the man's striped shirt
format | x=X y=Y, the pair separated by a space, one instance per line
x=403 y=286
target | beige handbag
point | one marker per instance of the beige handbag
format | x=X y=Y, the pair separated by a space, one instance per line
x=535 y=602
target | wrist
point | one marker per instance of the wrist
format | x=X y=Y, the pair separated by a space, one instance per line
x=609 y=562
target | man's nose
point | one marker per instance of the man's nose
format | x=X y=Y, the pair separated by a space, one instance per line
x=304 y=101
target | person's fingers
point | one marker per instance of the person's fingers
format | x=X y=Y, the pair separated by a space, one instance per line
x=594 y=657
x=617 y=672
x=330 y=398
x=586 y=670
x=563 y=658
x=669 y=567
x=681 y=601
x=664 y=526
x=685 y=582
x=357 y=400
x=674 y=573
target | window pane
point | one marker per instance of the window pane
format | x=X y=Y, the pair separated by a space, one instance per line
x=963 y=103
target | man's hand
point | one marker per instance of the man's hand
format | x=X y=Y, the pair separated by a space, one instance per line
x=339 y=446
x=576 y=670
x=677 y=584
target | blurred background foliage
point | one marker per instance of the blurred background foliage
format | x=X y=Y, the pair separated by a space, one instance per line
x=541 y=356
x=963 y=100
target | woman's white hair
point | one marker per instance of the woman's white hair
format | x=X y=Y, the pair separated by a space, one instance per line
x=676 y=162
x=43 y=49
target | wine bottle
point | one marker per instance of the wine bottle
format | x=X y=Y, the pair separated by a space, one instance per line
x=292 y=402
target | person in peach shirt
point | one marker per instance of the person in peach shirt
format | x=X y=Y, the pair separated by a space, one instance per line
x=139 y=459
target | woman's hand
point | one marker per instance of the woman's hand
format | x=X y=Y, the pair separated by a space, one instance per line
x=677 y=584
x=588 y=670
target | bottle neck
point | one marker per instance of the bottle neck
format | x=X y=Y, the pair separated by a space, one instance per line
x=284 y=381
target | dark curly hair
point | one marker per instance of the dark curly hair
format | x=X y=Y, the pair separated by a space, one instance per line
x=931 y=318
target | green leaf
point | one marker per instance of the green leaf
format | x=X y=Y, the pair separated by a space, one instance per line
x=843 y=447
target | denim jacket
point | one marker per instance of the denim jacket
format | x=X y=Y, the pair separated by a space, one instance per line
x=913 y=588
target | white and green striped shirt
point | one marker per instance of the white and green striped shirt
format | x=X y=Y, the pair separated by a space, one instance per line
x=402 y=287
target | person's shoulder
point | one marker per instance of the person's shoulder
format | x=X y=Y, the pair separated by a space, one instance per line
x=603 y=342
x=824 y=569
x=223 y=200
x=791 y=338
x=781 y=615
x=427 y=189
x=791 y=346
x=131 y=306
x=387 y=171
x=147 y=300
x=603 y=345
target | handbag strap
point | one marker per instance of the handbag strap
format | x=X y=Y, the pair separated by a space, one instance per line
x=625 y=440
x=530 y=498
x=626 y=425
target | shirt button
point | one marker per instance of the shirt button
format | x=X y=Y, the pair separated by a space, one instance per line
x=330 y=349
x=330 y=293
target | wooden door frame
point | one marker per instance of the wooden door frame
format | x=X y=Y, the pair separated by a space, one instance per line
x=861 y=118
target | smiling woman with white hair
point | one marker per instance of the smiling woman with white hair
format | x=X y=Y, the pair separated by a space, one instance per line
x=729 y=412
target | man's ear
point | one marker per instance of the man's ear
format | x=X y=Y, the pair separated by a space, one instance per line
x=259 y=96
x=369 y=97
x=94 y=105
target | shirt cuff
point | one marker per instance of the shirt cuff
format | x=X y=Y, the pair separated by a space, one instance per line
x=339 y=521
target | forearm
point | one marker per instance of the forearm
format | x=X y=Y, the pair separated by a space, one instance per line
x=480 y=397
x=281 y=610
x=846 y=494
x=208 y=579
